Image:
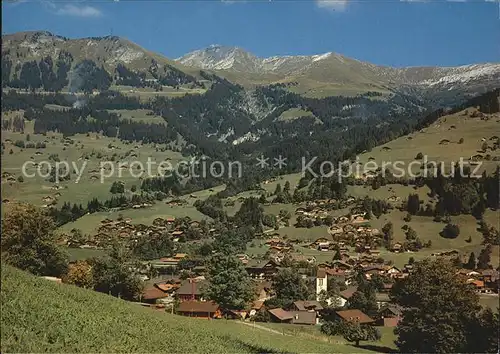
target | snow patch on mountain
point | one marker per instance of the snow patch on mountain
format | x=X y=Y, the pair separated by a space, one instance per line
x=320 y=57
x=464 y=74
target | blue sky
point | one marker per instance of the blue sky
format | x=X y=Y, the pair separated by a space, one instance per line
x=386 y=32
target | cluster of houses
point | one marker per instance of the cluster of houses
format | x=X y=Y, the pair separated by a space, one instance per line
x=124 y=230
x=188 y=293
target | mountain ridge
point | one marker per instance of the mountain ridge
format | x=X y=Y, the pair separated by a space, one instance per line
x=320 y=75
x=232 y=59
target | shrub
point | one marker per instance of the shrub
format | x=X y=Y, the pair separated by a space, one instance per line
x=450 y=231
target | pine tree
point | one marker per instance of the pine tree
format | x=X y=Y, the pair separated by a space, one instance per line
x=471 y=263
x=484 y=258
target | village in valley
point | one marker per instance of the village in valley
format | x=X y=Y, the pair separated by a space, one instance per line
x=224 y=202
x=332 y=267
x=346 y=250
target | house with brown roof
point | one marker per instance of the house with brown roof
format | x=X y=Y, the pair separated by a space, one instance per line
x=280 y=315
x=345 y=295
x=307 y=305
x=152 y=294
x=199 y=309
x=354 y=315
x=338 y=264
x=477 y=284
x=191 y=289
x=261 y=269
x=390 y=315
x=293 y=317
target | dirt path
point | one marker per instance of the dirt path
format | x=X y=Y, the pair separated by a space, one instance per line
x=254 y=325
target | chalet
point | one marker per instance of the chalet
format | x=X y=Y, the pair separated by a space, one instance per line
x=158 y=222
x=387 y=287
x=280 y=315
x=165 y=262
x=391 y=270
x=354 y=315
x=477 y=157
x=275 y=242
x=320 y=240
x=177 y=233
x=390 y=315
x=256 y=306
x=294 y=317
x=323 y=246
x=490 y=275
x=372 y=270
x=343 y=219
x=468 y=273
x=180 y=256
x=345 y=295
x=307 y=306
x=152 y=294
x=304 y=317
x=168 y=287
x=337 y=264
x=199 y=309
x=124 y=233
x=382 y=299
x=191 y=289
x=261 y=269
x=235 y=314
x=48 y=199
x=335 y=230
x=300 y=211
x=477 y=284
x=397 y=247
x=302 y=258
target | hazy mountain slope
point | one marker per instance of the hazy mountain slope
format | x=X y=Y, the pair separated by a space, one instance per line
x=107 y=51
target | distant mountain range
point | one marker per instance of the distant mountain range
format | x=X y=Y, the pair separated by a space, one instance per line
x=321 y=75
x=333 y=67
x=324 y=105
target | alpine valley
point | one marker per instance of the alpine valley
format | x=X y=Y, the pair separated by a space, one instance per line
x=225 y=102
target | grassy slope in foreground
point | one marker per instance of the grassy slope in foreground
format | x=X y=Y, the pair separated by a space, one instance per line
x=39 y=316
